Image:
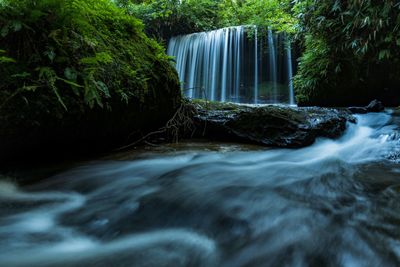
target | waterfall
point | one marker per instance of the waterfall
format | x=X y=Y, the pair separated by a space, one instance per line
x=290 y=74
x=238 y=61
x=272 y=65
x=256 y=65
x=225 y=64
x=256 y=58
x=228 y=65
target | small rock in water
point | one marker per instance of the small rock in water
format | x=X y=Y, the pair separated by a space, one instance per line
x=374 y=106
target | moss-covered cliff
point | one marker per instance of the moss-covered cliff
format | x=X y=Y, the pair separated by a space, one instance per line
x=78 y=74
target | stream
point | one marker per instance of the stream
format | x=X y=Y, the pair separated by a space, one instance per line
x=335 y=203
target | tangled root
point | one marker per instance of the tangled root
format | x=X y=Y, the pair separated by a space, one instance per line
x=180 y=125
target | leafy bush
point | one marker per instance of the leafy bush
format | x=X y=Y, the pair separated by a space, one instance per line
x=273 y=14
x=166 y=18
x=352 y=51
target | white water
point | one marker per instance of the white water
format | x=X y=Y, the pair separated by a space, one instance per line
x=225 y=65
x=273 y=65
x=33 y=236
x=335 y=203
x=256 y=70
x=292 y=100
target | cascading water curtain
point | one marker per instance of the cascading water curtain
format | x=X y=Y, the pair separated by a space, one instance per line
x=232 y=64
x=256 y=70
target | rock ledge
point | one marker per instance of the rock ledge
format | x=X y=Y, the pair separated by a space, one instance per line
x=275 y=126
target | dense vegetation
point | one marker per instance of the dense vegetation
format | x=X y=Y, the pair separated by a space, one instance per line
x=83 y=66
x=352 y=52
x=166 y=18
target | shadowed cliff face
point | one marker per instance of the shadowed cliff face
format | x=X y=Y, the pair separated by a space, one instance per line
x=335 y=203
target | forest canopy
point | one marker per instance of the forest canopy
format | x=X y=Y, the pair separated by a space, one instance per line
x=166 y=18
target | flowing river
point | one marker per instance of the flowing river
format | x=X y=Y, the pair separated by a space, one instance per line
x=335 y=203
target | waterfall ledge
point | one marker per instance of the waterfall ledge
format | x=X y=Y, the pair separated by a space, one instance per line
x=274 y=126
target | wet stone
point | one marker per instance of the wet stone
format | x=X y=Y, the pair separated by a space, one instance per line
x=274 y=126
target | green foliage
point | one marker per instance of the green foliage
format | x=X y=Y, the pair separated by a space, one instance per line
x=5 y=59
x=360 y=25
x=314 y=65
x=166 y=18
x=350 y=47
x=75 y=53
x=273 y=14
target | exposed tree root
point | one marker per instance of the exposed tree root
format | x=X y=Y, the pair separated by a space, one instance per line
x=180 y=125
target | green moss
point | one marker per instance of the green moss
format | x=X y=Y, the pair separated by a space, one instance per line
x=90 y=49
x=216 y=105
x=81 y=64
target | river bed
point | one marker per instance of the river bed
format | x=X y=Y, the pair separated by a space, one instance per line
x=335 y=203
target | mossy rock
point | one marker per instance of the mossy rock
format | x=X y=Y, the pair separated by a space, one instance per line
x=273 y=126
x=216 y=105
x=78 y=75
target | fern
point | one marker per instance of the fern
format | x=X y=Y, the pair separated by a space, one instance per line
x=5 y=59
x=49 y=77
x=80 y=53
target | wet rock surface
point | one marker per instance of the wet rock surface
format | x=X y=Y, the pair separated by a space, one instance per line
x=275 y=126
x=374 y=106
x=394 y=137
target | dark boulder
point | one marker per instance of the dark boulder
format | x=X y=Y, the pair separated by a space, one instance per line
x=274 y=126
x=374 y=106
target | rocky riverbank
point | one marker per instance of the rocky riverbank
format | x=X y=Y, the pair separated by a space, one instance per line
x=265 y=125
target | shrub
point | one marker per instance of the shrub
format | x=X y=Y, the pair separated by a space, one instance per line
x=352 y=52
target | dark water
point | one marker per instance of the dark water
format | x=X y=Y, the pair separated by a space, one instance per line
x=336 y=203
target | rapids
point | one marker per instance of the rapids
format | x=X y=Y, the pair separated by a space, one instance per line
x=335 y=203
